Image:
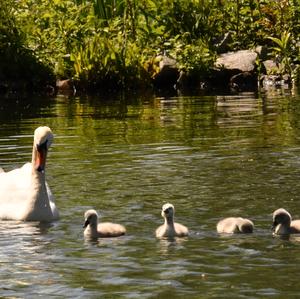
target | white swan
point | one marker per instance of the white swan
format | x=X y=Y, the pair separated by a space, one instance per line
x=283 y=223
x=101 y=230
x=170 y=229
x=233 y=225
x=24 y=192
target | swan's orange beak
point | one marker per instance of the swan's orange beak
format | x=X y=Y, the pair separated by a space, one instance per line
x=40 y=161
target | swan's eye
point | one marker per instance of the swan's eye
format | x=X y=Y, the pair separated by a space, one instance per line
x=43 y=145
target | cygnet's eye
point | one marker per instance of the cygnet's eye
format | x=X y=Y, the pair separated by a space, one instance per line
x=167 y=210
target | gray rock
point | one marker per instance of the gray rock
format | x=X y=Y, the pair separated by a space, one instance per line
x=168 y=74
x=166 y=62
x=271 y=66
x=65 y=86
x=243 y=61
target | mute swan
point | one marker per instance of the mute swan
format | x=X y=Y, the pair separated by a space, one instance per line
x=24 y=192
x=102 y=230
x=283 y=224
x=232 y=225
x=170 y=229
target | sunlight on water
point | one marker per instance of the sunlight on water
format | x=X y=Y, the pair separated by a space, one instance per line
x=212 y=157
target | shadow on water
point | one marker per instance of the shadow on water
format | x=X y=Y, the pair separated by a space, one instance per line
x=15 y=108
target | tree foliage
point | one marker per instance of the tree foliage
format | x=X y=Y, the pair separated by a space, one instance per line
x=96 y=41
x=18 y=64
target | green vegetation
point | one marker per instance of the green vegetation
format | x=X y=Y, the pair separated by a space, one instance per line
x=115 y=43
x=19 y=64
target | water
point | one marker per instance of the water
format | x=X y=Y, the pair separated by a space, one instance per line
x=211 y=157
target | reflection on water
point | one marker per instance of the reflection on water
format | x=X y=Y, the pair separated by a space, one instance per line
x=212 y=157
x=232 y=111
x=167 y=245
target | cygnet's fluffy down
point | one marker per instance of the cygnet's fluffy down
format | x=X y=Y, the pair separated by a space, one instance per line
x=283 y=223
x=170 y=229
x=233 y=225
x=101 y=230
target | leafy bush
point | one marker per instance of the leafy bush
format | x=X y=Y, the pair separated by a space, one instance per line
x=118 y=40
x=20 y=68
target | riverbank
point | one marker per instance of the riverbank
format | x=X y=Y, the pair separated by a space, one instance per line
x=232 y=72
x=96 y=46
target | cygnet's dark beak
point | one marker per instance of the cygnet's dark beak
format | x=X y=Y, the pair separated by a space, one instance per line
x=167 y=210
x=86 y=223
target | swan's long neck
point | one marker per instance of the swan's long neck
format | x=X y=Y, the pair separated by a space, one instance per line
x=38 y=201
x=34 y=155
x=37 y=175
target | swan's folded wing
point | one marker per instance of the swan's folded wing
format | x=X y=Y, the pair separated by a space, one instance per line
x=17 y=179
x=52 y=202
x=14 y=187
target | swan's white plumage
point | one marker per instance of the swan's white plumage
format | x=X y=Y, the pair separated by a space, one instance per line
x=24 y=192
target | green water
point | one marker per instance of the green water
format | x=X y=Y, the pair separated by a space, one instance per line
x=211 y=157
